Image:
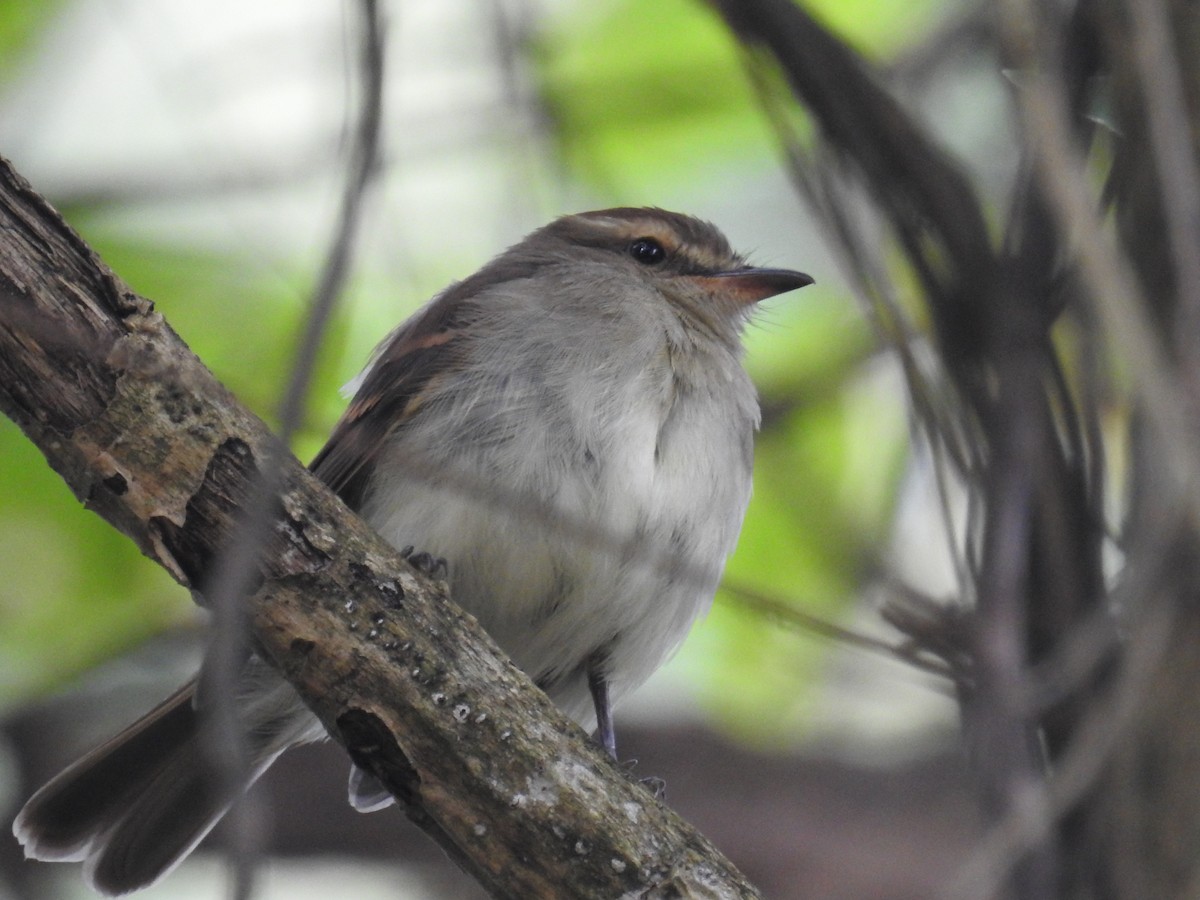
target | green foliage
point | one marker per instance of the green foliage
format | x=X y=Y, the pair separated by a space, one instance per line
x=75 y=592
x=643 y=94
x=21 y=24
x=877 y=28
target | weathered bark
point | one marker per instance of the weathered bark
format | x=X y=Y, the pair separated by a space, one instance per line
x=146 y=437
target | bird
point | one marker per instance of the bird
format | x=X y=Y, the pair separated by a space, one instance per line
x=594 y=372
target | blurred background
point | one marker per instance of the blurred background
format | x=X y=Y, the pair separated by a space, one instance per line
x=201 y=149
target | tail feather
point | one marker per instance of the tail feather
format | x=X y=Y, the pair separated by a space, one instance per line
x=179 y=806
x=135 y=806
x=65 y=819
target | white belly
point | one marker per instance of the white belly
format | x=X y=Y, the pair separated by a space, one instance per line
x=606 y=538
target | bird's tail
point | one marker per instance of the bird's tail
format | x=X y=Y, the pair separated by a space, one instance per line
x=134 y=807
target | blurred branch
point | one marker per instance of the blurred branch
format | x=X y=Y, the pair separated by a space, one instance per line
x=1168 y=127
x=1103 y=264
x=934 y=629
x=364 y=164
x=1094 y=743
x=1076 y=667
x=928 y=201
x=789 y=613
x=997 y=363
x=236 y=569
x=962 y=33
x=413 y=688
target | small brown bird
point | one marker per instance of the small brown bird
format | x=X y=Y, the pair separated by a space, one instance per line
x=593 y=369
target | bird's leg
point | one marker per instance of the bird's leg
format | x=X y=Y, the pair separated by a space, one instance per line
x=598 y=685
x=606 y=735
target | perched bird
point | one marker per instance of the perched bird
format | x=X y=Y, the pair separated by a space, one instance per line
x=591 y=372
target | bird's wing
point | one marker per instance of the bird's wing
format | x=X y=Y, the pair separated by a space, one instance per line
x=423 y=350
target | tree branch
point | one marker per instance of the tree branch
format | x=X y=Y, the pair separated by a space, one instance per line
x=146 y=437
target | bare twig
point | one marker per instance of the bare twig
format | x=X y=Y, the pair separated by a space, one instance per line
x=949 y=440
x=1027 y=824
x=1103 y=264
x=1178 y=179
x=1002 y=733
x=237 y=571
x=786 y=612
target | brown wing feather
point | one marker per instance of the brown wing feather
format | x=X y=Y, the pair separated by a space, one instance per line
x=423 y=348
x=412 y=356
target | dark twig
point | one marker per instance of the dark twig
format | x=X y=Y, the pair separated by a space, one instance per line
x=786 y=612
x=929 y=202
x=1178 y=179
x=364 y=163
x=238 y=570
x=1001 y=734
x=1028 y=824
x=992 y=311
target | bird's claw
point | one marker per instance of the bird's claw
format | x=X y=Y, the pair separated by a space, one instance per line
x=652 y=783
x=655 y=786
x=426 y=563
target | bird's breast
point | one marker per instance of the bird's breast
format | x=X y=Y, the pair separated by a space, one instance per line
x=573 y=520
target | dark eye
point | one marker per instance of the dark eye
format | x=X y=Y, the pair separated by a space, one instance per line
x=647 y=251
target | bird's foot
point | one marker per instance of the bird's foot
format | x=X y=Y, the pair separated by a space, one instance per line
x=652 y=783
x=655 y=785
x=426 y=563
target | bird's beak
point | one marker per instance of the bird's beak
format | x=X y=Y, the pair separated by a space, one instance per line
x=750 y=285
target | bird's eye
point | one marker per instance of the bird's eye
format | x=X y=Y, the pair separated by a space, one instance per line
x=647 y=251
